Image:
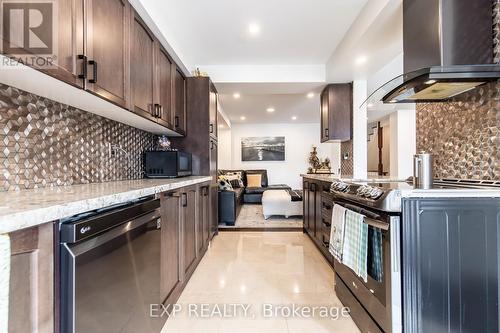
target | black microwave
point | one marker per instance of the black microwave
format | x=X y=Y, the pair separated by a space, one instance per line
x=168 y=164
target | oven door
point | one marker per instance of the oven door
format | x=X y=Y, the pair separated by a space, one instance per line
x=376 y=295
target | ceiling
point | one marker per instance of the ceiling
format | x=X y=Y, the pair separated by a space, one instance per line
x=300 y=47
x=216 y=32
x=254 y=108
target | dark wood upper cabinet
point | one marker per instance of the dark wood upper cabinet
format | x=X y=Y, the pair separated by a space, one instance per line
x=336 y=112
x=213 y=111
x=70 y=43
x=66 y=66
x=107 y=49
x=142 y=69
x=179 y=101
x=164 y=67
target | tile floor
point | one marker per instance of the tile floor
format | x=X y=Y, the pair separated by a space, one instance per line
x=251 y=216
x=255 y=268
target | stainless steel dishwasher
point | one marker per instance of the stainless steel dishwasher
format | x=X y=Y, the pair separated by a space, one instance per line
x=110 y=269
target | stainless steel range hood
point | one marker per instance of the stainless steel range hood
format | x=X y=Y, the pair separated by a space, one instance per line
x=448 y=50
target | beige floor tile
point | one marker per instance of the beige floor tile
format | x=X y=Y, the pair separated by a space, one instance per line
x=257 y=268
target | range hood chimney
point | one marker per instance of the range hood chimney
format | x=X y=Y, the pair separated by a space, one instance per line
x=448 y=50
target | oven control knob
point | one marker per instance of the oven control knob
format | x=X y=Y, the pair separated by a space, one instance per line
x=376 y=193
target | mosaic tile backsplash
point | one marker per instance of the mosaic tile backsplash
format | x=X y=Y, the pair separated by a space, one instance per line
x=346 y=165
x=464 y=134
x=44 y=143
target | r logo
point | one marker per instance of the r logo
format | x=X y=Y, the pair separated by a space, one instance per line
x=28 y=27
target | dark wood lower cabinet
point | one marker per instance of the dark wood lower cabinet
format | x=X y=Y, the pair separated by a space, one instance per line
x=204 y=218
x=171 y=277
x=189 y=226
x=31 y=287
x=185 y=236
x=317 y=214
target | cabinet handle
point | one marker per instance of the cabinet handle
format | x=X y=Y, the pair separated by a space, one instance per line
x=160 y=108
x=94 y=64
x=212 y=146
x=176 y=121
x=83 y=75
x=327 y=132
x=156 y=110
x=184 y=200
x=211 y=126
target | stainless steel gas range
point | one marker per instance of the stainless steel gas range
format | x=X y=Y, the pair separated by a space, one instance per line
x=377 y=305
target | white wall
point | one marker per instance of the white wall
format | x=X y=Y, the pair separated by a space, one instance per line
x=299 y=139
x=224 y=148
x=403 y=143
x=359 y=126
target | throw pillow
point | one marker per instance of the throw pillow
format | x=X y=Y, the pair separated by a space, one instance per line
x=234 y=179
x=254 y=180
x=236 y=175
x=224 y=185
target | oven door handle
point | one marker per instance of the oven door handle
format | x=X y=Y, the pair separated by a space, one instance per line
x=362 y=211
x=376 y=224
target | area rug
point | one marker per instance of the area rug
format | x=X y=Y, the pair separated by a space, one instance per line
x=251 y=216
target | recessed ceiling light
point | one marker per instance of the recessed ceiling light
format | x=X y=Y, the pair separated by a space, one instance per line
x=361 y=60
x=271 y=109
x=243 y=117
x=294 y=118
x=253 y=29
x=430 y=82
x=310 y=95
x=236 y=95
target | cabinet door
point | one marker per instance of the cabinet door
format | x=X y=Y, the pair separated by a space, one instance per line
x=305 y=204
x=164 y=86
x=70 y=43
x=179 y=101
x=214 y=216
x=203 y=233
x=451 y=265
x=189 y=229
x=107 y=23
x=318 y=223
x=142 y=69
x=213 y=112
x=170 y=244
x=312 y=209
x=66 y=65
x=31 y=292
x=325 y=131
x=340 y=112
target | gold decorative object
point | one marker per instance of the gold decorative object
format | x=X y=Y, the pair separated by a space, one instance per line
x=316 y=165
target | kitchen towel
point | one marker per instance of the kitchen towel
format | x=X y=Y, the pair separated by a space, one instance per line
x=337 y=232
x=375 y=261
x=4 y=281
x=355 y=250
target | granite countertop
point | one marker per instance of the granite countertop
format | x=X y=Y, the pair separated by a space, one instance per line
x=29 y=208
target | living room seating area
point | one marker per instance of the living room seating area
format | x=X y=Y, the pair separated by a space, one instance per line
x=238 y=187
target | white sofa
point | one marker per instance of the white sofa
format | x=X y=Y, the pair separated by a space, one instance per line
x=279 y=202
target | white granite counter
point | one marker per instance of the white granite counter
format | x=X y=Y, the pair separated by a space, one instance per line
x=28 y=208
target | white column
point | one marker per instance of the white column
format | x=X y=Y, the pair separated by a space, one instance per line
x=359 y=136
x=403 y=143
